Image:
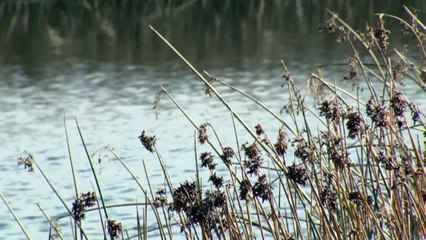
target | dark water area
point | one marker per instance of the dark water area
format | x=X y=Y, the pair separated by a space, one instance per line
x=98 y=61
x=210 y=33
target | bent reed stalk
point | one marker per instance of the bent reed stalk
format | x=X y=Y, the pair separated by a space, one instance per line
x=356 y=173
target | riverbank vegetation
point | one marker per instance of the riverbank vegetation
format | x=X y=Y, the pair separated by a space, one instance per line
x=356 y=172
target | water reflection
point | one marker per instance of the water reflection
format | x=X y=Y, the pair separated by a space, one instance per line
x=209 y=33
x=101 y=63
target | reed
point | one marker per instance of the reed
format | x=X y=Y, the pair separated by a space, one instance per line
x=356 y=172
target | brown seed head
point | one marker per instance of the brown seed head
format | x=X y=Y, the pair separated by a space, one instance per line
x=114 y=229
x=202 y=133
x=148 y=141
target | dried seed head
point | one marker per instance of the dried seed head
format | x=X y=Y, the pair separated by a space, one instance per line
x=304 y=150
x=355 y=197
x=160 y=199
x=330 y=25
x=415 y=113
x=215 y=198
x=340 y=158
x=399 y=104
x=251 y=151
x=208 y=91
x=400 y=70
x=80 y=204
x=200 y=213
x=259 y=130
x=381 y=34
x=331 y=110
x=217 y=181
x=355 y=122
x=386 y=159
x=358 y=198
x=262 y=188
x=157 y=103
x=89 y=199
x=254 y=160
x=298 y=174
x=246 y=190
x=148 y=141
x=207 y=160
x=352 y=69
x=329 y=198
x=202 y=133
x=27 y=161
x=114 y=229
x=78 y=209
x=281 y=145
x=377 y=113
x=315 y=86
x=184 y=196
x=203 y=212
x=227 y=155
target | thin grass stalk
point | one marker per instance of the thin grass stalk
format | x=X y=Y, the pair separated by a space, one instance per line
x=180 y=108
x=255 y=101
x=292 y=200
x=58 y=196
x=72 y=168
x=278 y=225
x=420 y=23
x=365 y=71
x=293 y=95
x=258 y=219
x=231 y=233
x=357 y=36
x=145 y=220
x=27 y=235
x=239 y=224
x=406 y=24
x=71 y=160
x=249 y=219
x=196 y=127
x=138 y=223
x=197 y=171
x=290 y=86
x=143 y=190
x=92 y=168
x=375 y=196
x=225 y=103
x=101 y=219
x=169 y=184
x=335 y=90
x=313 y=231
x=159 y=222
x=50 y=221
x=248 y=230
x=292 y=204
x=164 y=169
x=417 y=152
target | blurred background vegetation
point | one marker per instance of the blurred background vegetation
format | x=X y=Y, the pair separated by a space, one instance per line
x=35 y=31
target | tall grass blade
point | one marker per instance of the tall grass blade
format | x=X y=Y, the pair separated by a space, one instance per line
x=93 y=169
x=15 y=217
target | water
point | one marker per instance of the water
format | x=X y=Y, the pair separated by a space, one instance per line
x=104 y=68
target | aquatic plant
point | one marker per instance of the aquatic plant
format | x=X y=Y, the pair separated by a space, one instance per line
x=357 y=171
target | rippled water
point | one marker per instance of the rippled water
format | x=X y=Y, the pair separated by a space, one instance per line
x=113 y=101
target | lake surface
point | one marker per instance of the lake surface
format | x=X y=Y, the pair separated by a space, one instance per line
x=102 y=65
